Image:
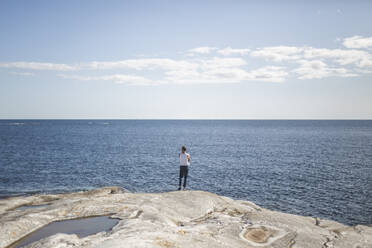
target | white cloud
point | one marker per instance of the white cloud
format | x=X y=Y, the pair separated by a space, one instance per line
x=194 y=77
x=352 y=57
x=141 y=64
x=216 y=63
x=214 y=70
x=316 y=69
x=210 y=71
x=22 y=73
x=39 y=66
x=366 y=62
x=358 y=42
x=228 y=75
x=201 y=50
x=269 y=74
x=230 y=51
x=117 y=78
x=278 y=53
x=281 y=62
x=341 y=56
x=364 y=71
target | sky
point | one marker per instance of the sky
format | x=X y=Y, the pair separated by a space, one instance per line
x=185 y=59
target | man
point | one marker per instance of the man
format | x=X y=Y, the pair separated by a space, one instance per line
x=184 y=167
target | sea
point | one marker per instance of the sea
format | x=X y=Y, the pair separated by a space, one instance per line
x=318 y=168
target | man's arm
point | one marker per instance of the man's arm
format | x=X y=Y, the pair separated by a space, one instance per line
x=188 y=158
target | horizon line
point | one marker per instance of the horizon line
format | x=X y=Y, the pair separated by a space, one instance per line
x=196 y=119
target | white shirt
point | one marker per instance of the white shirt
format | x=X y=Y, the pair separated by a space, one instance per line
x=183 y=159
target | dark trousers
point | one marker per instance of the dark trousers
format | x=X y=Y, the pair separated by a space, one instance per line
x=184 y=170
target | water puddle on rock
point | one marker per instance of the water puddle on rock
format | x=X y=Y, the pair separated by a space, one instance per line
x=81 y=227
x=31 y=206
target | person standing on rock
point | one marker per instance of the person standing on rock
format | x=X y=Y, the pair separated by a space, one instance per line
x=184 y=167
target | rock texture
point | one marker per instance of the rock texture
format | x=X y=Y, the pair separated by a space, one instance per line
x=173 y=219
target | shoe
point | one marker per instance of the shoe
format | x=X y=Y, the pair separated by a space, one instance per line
x=179 y=188
x=184 y=188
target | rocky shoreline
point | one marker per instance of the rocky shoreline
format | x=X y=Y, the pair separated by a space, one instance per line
x=172 y=219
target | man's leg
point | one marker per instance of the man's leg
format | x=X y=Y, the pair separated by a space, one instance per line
x=185 y=174
x=180 y=179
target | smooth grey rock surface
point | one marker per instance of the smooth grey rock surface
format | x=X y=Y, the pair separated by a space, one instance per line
x=173 y=219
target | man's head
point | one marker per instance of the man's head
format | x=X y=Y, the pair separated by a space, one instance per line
x=184 y=149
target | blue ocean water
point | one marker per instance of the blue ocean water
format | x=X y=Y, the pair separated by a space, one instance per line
x=314 y=168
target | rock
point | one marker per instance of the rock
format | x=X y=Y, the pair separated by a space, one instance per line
x=172 y=219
